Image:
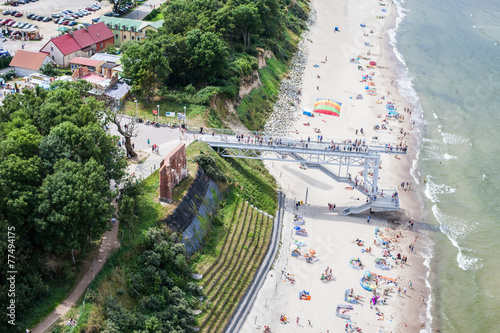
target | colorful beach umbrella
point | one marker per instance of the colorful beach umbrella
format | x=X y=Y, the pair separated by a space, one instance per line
x=311 y=251
x=327 y=106
x=373 y=63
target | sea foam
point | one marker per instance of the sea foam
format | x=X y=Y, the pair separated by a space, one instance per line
x=456 y=230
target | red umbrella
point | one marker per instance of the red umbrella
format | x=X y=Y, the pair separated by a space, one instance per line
x=373 y=63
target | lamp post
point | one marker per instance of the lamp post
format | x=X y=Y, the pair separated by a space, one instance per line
x=158 y=106
x=185 y=116
x=135 y=100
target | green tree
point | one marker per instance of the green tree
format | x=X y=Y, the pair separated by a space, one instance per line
x=145 y=66
x=208 y=52
x=74 y=206
x=49 y=69
x=247 y=21
x=117 y=4
x=81 y=144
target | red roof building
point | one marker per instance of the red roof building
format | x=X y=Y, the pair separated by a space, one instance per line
x=80 y=43
x=26 y=62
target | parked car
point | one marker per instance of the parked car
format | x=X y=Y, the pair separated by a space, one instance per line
x=11 y=23
x=7 y=21
x=95 y=20
x=47 y=19
x=69 y=18
x=56 y=15
x=6 y=12
x=18 y=14
x=70 y=24
x=65 y=22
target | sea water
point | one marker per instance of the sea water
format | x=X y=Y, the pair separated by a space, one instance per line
x=450 y=73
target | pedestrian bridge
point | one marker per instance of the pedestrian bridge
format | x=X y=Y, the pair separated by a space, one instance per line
x=355 y=163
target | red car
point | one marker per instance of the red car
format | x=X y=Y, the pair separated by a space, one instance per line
x=90 y=9
x=7 y=21
x=65 y=22
x=18 y=14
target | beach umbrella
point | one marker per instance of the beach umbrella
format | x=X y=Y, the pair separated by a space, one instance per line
x=373 y=63
x=327 y=106
x=296 y=227
x=312 y=252
x=393 y=113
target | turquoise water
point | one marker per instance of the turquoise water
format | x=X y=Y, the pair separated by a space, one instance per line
x=451 y=52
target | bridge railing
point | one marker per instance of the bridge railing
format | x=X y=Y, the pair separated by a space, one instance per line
x=340 y=146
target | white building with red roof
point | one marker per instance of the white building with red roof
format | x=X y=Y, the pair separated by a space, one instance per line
x=82 y=43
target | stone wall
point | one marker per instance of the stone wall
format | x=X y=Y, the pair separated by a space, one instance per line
x=191 y=217
x=173 y=169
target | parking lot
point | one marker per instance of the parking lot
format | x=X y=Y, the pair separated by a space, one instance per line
x=47 y=29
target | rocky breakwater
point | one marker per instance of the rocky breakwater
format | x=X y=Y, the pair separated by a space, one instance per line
x=287 y=108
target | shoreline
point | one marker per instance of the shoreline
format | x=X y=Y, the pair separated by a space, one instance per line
x=394 y=172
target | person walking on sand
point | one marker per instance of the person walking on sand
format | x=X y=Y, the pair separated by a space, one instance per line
x=410 y=285
x=404 y=290
x=298 y=320
x=368 y=219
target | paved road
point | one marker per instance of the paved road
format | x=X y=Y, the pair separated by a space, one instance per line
x=165 y=137
x=144 y=9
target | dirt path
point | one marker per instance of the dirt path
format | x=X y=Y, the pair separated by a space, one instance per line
x=109 y=244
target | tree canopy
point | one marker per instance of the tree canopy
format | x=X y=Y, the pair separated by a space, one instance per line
x=202 y=39
x=56 y=164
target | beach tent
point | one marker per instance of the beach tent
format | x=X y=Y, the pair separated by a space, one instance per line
x=393 y=113
x=327 y=106
x=308 y=112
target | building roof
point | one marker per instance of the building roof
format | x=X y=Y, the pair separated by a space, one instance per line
x=92 y=78
x=28 y=60
x=118 y=91
x=66 y=44
x=108 y=65
x=107 y=57
x=85 y=62
x=100 y=32
x=137 y=25
x=82 y=38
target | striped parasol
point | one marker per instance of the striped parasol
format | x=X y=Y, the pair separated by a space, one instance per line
x=327 y=106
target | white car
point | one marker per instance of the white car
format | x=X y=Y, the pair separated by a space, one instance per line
x=69 y=18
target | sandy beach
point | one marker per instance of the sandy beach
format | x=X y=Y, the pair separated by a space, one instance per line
x=330 y=74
